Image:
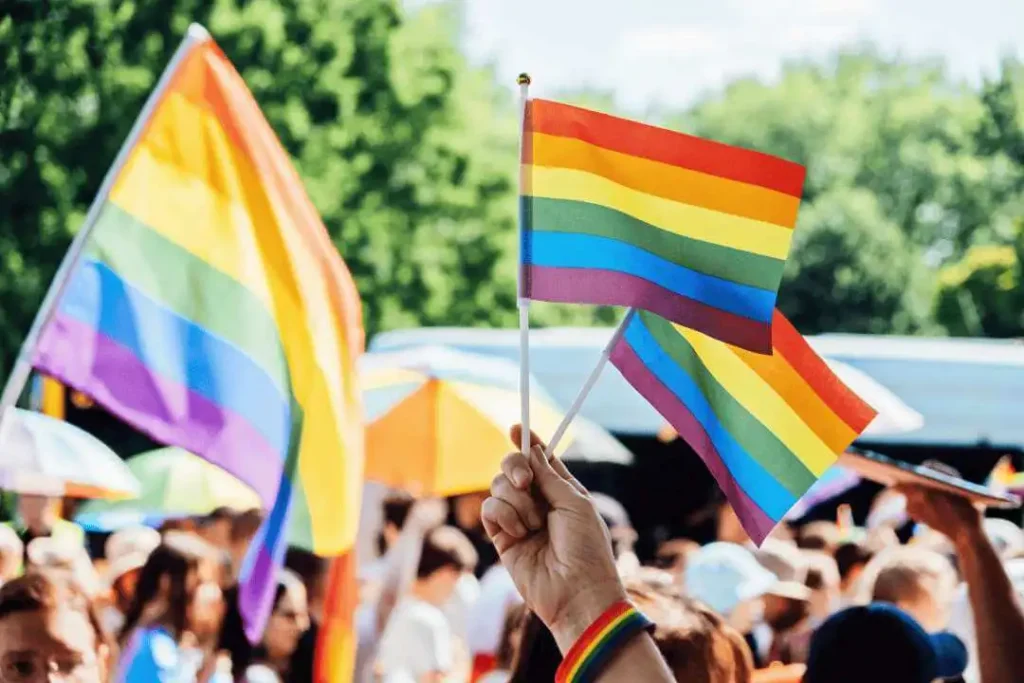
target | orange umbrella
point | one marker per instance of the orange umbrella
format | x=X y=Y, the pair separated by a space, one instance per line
x=438 y=419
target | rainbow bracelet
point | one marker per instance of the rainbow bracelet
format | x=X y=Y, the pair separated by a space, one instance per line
x=618 y=624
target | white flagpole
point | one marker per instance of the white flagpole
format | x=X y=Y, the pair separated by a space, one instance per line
x=23 y=365
x=577 y=402
x=523 y=301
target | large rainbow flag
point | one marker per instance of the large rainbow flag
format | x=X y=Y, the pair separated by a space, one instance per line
x=766 y=426
x=621 y=213
x=212 y=311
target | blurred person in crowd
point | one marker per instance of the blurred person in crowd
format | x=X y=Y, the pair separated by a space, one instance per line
x=465 y=515
x=851 y=558
x=696 y=643
x=50 y=632
x=997 y=613
x=921 y=582
x=313 y=571
x=672 y=555
x=417 y=638
x=274 y=658
x=177 y=601
x=67 y=558
x=820 y=535
x=508 y=647
x=1006 y=537
x=243 y=529
x=126 y=552
x=552 y=541
x=215 y=528
x=620 y=528
x=395 y=510
x=785 y=633
x=39 y=516
x=881 y=643
x=728 y=528
x=823 y=581
x=488 y=618
x=12 y=554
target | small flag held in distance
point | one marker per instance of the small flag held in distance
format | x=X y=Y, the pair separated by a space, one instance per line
x=766 y=426
x=621 y=213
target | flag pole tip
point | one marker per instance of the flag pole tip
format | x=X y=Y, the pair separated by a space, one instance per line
x=197 y=32
x=523 y=79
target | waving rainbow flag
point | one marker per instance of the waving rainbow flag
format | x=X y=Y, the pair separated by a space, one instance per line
x=766 y=426
x=212 y=311
x=621 y=213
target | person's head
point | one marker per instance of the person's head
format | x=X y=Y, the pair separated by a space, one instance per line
x=785 y=602
x=466 y=510
x=820 y=535
x=289 y=620
x=126 y=552
x=12 y=551
x=511 y=637
x=882 y=644
x=65 y=557
x=673 y=553
x=396 y=509
x=49 y=632
x=243 y=529
x=823 y=581
x=697 y=644
x=215 y=528
x=919 y=581
x=445 y=556
x=312 y=570
x=851 y=558
x=729 y=579
x=38 y=513
x=728 y=528
x=178 y=589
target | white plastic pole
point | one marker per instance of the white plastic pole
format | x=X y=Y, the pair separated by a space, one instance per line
x=577 y=402
x=523 y=301
x=23 y=365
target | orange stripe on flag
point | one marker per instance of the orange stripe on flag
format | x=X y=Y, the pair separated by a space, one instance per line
x=336 y=644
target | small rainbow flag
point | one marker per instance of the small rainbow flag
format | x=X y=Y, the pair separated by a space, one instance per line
x=620 y=213
x=211 y=311
x=767 y=426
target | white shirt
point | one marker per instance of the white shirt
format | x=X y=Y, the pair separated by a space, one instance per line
x=417 y=640
x=459 y=606
x=487 y=617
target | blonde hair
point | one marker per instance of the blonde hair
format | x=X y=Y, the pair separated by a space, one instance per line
x=899 y=574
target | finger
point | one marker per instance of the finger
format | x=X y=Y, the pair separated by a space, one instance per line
x=504 y=516
x=525 y=505
x=502 y=541
x=561 y=470
x=556 y=489
x=516 y=434
x=516 y=467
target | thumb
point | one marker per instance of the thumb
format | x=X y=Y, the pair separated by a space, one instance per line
x=556 y=490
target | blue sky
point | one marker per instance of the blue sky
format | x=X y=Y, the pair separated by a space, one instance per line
x=670 y=51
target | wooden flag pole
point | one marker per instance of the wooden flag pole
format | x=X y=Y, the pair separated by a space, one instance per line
x=523 y=300
x=23 y=365
x=577 y=402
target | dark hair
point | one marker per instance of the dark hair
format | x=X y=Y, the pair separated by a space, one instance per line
x=232 y=631
x=43 y=591
x=443 y=547
x=179 y=562
x=506 y=655
x=244 y=525
x=396 y=509
x=539 y=655
x=312 y=569
x=221 y=514
x=851 y=555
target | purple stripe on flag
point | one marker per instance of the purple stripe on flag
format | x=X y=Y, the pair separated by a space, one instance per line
x=263 y=560
x=78 y=356
x=755 y=521
x=608 y=287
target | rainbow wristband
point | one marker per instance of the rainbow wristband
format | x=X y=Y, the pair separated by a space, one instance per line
x=588 y=655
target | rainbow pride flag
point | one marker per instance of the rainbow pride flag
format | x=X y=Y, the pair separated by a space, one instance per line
x=211 y=311
x=620 y=213
x=336 y=643
x=766 y=426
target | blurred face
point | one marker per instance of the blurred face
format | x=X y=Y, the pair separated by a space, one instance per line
x=930 y=606
x=287 y=623
x=35 y=510
x=46 y=647
x=217 y=533
x=746 y=615
x=782 y=614
x=206 y=611
x=439 y=586
x=467 y=510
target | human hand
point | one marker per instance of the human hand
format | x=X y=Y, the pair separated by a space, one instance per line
x=552 y=541
x=953 y=516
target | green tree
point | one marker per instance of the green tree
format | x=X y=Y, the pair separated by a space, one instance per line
x=408 y=153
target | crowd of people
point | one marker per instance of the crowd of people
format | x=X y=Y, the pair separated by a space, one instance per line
x=504 y=585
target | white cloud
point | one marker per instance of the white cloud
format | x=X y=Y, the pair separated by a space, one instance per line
x=668 y=40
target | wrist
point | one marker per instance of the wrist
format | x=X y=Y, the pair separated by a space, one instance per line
x=582 y=610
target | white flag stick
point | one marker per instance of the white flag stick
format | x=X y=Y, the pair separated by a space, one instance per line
x=523 y=300
x=23 y=365
x=577 y=402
